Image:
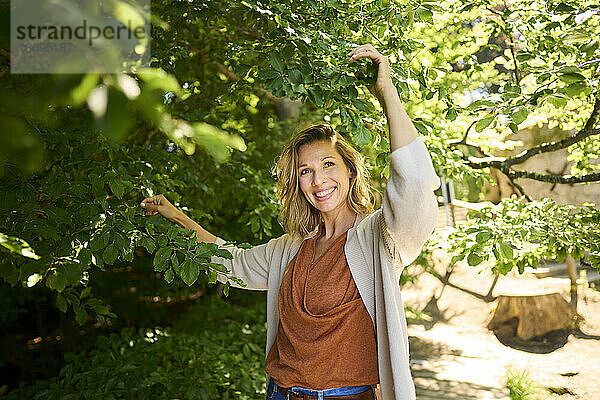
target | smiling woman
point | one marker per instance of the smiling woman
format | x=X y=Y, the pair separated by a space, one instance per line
x=335 y=321
x=317 y=160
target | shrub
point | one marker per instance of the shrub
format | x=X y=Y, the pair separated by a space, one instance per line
x=215 y=351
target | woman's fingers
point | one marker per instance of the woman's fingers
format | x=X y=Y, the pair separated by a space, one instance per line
x=372 y=54
x=358 y=49
x=151 y=205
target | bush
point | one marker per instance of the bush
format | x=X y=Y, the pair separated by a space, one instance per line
x=215 y=351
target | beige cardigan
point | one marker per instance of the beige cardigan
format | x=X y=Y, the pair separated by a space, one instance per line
x=377 y=247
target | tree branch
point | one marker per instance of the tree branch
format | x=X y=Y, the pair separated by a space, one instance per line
x=499 y=162
x=488 y=298
x=544 y=148
x=260 y=92
x=562 y=179
x=519 y=187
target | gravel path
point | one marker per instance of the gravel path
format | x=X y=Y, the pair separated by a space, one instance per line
x=457 y=357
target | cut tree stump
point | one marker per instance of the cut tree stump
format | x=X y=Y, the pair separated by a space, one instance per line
x=537 y=313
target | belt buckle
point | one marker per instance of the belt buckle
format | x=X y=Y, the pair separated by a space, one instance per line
x=291 y=394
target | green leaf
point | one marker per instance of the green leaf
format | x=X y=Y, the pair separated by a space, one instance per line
x=557 y=100
x=576 y=37
x=477 y=104
x=116 y=187
x=156 y=78
x=483 y=237
x=169 y=275
x=563 y=8
x=571 y=77
x=148 y=243
x=189 y=272
x=217 y=267
x=16 y=245
x=456 y=258
x=85 y=257
x=212 y=276
x=216 y=141
x=295 y=76
x=56 y=281
x=226 y=289
x=575 y=89
x=160 y=259
x=175 y=263
x=451 y=114
x=362 y=137
x=483 y=123
x=276 y=62
x=474 y=259
x=61 y=302
x=72 y=272
x=110 y=253
x=80 y=314
x=317 y=95
x=505 y=250
x=224 y=253
x=519 y=115
x=97 y=243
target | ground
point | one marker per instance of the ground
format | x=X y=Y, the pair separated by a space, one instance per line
x=457 y=357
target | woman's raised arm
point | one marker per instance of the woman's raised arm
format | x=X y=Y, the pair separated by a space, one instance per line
x=402 y=130
x=409 y=205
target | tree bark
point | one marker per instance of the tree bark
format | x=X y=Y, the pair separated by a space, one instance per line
x=537 y=314
x=572 y=271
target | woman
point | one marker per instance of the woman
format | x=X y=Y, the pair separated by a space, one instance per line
x=335 y=320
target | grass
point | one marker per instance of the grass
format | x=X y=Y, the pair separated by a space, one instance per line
x=522 y=387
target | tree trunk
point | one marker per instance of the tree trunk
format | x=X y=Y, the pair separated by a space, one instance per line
x=572 y=271
x=537 y=314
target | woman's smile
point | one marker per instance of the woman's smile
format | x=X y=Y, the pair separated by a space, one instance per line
x=324 y=194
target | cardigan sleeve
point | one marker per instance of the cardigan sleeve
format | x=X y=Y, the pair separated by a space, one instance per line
x=409 y=205
x=249 y=265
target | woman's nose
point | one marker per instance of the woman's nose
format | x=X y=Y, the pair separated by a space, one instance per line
x=318 y=178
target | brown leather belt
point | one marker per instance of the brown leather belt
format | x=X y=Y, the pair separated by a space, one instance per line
x=366 y=395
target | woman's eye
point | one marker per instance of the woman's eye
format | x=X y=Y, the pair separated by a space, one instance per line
x=329 y=162
x=302 y=172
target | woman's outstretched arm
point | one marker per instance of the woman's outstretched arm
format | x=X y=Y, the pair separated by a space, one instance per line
x=160 y=205
x=250 y=265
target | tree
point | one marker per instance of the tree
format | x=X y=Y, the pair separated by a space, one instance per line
x=200 y=126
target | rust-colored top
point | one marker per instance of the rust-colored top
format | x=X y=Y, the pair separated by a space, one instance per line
x=325 y=337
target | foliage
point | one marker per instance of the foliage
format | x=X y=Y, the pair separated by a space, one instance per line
x=201 y=125
x=99 y=208
x=517 y=234
x=223 y=360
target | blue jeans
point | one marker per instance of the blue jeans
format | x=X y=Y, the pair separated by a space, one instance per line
x=273 y=394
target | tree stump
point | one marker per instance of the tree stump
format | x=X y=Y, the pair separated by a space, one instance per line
x=537 y=314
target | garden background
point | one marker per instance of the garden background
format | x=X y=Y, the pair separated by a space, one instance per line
x=99 y=301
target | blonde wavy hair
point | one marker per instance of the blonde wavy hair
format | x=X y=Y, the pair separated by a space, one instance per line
x=298 y=216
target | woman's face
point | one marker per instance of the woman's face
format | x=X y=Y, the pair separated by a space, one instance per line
x=323 y=175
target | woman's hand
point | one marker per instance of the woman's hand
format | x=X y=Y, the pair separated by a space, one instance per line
x=384 y=79
x=160 y=205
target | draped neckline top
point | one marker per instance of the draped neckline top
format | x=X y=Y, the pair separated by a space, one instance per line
x=325 y=337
